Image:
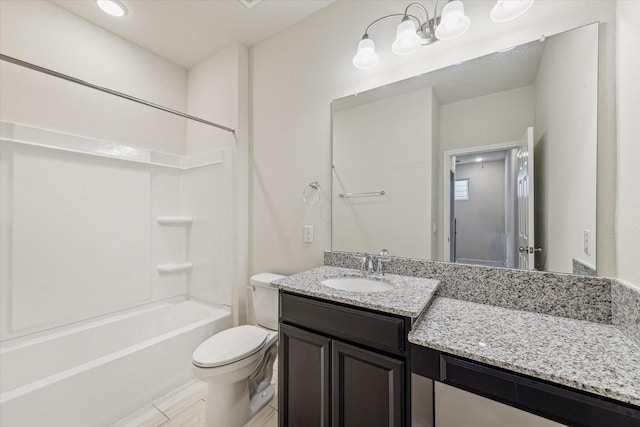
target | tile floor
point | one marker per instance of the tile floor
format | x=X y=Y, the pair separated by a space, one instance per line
x=185 y=407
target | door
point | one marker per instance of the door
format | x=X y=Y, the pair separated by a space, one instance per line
x=303 y=384
x=367 y=388
x=452 y=215
x=526 y=244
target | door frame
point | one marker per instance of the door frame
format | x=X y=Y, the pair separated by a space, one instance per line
x=447 y=168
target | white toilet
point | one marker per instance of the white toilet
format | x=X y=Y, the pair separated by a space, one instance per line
x=237 y=363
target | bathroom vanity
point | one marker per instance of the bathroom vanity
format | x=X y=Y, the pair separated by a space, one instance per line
x=340 y=363
x=347 y=355
x=344 y=356
x=570 y=371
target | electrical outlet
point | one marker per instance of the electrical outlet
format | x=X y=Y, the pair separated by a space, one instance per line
x=587 y=242
x=307 y=236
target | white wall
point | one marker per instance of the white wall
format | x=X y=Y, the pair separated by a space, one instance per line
x=486 y=120
x=218 y=90
x=628 y=111
x=565 y=149
x=480 y=221
x=298 y=72
x=436 y=174
x=48 y=36
x=213 y=94
x=384 y=145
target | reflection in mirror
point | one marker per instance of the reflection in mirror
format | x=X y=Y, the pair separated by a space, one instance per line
x=490 y=162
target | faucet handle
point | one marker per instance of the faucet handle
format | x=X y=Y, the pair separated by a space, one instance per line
x=363 y=257
x=382 y=259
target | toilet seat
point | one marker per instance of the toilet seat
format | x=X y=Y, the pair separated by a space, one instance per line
x=229 y=346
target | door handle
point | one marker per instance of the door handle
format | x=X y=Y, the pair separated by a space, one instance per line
x=529 y=249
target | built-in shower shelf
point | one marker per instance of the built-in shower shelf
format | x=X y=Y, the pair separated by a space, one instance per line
x=175 y=220
x=175 y=268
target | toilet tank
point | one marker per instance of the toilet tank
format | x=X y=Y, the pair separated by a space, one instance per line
x=265 y=300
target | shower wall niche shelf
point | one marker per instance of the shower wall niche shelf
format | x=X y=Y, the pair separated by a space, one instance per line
x=174 y=268
x=175 y=220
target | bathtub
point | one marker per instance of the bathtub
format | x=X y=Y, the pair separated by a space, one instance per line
x=96 y=373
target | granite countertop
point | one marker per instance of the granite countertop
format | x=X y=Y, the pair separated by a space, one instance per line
x=408 y=297
x=593 y=357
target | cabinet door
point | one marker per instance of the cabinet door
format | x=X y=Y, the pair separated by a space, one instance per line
x=303 y=381
x=367 y=388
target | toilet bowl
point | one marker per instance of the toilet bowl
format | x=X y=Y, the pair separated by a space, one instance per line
x=237 y=363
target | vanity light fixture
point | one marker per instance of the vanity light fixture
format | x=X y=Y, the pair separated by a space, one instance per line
x=113 y=7
x=412 y=33
x=507 y=10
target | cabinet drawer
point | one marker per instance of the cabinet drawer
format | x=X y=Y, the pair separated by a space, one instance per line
x=376 y=330
x=476 y=378
x=574 y=408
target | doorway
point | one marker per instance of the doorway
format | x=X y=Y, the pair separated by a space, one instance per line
x=481 y=205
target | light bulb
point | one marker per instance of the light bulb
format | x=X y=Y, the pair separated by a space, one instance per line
x=506 y=10
x=366 y=57
x=453 y=22
x=407 y=40
x=112 y=7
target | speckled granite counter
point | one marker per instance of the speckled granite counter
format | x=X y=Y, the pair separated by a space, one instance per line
x=589 y=356
x=408 y=298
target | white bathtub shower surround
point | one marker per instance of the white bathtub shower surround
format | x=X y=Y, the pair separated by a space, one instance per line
x=80 y=234
x=95 y=373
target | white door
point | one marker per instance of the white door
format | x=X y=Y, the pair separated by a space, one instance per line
x=526 y=242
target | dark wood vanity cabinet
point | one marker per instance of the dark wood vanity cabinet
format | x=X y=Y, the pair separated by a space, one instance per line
x=552 y=401
x=341 y=366
x=303 y=378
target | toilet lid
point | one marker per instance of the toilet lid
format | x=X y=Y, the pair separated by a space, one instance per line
x=229 y=346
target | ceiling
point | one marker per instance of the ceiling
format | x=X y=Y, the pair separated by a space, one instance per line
x=186 y=32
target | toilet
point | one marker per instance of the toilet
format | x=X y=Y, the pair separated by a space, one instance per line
x=237 y=363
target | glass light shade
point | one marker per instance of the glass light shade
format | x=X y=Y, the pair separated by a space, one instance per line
x=453 y=22
x=407 y=40
x=366 y=57
x=112 y=7
x=506 y=10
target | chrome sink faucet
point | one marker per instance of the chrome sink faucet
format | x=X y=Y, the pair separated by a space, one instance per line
x=374 y=264
x=366 y=263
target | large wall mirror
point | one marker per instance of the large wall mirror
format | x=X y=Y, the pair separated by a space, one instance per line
x=491 y=161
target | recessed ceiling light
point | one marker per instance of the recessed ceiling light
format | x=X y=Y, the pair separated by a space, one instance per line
x=478 y=159
x=112 y=7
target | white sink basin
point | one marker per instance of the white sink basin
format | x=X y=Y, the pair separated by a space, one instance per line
x=357 y=284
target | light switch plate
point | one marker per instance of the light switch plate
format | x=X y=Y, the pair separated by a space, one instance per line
x=307 y=236
x=587 y=242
